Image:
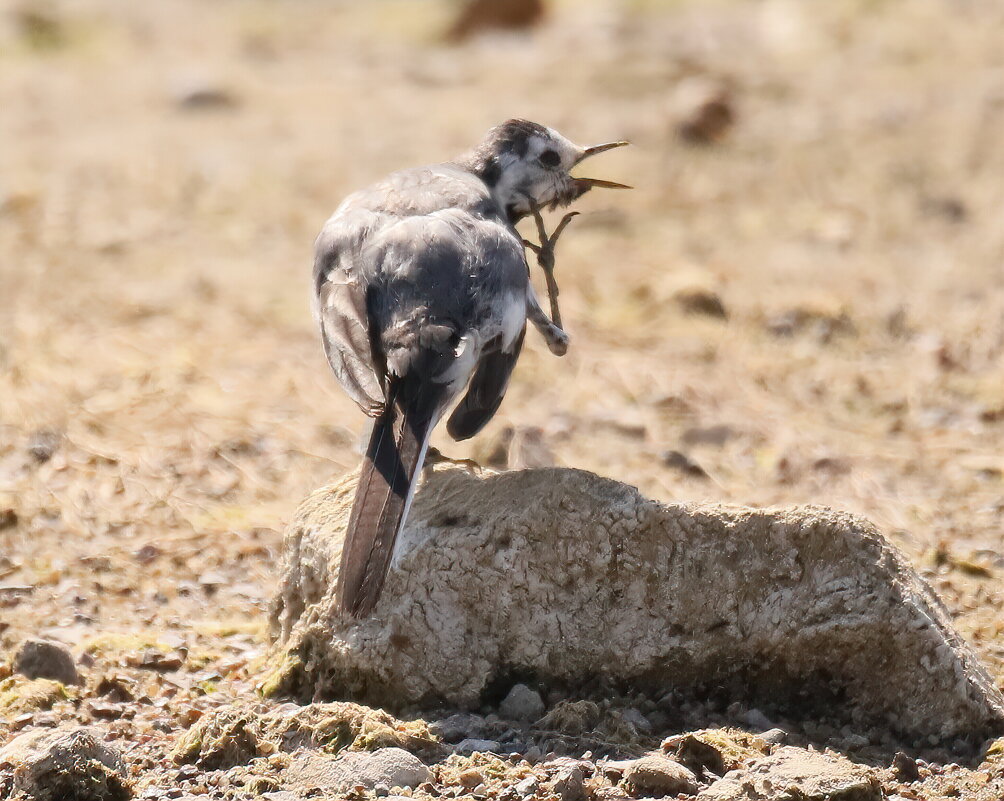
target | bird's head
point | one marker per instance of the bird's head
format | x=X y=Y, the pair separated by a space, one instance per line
x=524 y=163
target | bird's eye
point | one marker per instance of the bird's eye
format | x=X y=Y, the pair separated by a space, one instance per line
x=550 y=158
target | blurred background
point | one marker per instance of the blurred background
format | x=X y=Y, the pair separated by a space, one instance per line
x=801 y=302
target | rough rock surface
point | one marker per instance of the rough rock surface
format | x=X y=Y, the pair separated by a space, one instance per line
x=659 y=775
x=236 y=734
x=64 y=764
x=391 y=767
x=44 y=659
x=794 y=773
x=569 y=577
x=522 y=703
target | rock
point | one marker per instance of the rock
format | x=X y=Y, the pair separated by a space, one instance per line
x=62 y=764
x=479 y=16
x=19 y=695
x=43 y=444
x=715 y=750
x=522 y=703
x=567 y=778
x=774 y=736
x=791 y=773
x=393 y=767
x=234 y=735
x=458 y=727
x=45 y=659
x=198 y=96
x=905 y=768
x=637 y=720
x=660 y=775
x=567 y=576
x=472 y=744
x=703 y=110
x=684 y=464
x=701 y=301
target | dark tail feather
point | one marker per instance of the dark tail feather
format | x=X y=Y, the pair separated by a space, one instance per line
x=389 y=469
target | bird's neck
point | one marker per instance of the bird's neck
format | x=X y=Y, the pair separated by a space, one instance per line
x=486 y=166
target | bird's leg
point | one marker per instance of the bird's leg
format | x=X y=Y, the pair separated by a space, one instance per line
x=557 y=342
x=556 y=339
x=434 y=456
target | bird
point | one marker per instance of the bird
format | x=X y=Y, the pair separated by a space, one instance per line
x=422 y=294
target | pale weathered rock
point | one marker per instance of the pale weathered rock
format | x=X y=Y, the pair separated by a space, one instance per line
x=659 y=775
x=43 y=659
x=235 y=734
x=522 y=703
x=569 y=577
x=567 y=778
x=393 y=767
x=791 y=773
x=61 y=764
x=474 y=744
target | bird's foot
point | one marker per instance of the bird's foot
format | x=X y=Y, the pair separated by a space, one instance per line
x=434 y=456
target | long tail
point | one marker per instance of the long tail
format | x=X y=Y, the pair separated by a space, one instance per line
x=387 y=481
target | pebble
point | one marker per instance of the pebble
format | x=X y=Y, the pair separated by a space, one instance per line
x=459 y=727
x=470 y=778
x=656 y=773
x=84 y=765
x=522 y=703
x=905 y=768
x=569 y=779
x=471 y=744
x=393 y=767
x=774 y=735
x=45 y=659
x=637 y=719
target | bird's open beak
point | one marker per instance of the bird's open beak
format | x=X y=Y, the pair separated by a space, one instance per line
x=585 y=184
x=594 y=149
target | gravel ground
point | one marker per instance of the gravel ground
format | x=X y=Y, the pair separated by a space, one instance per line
x=807 y=308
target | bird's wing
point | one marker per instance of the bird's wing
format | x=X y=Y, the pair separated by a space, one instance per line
x=340 y=306
x=485 y=392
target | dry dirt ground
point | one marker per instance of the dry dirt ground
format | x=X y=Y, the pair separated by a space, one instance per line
x=810 y=310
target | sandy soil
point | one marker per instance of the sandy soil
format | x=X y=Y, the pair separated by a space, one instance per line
x=810 y=310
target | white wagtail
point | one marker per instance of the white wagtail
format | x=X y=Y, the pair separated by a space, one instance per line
x=422 y=289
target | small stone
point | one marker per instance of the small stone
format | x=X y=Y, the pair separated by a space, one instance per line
x=905 y=768
x=204 y=97
x=60 y=764
x=522 y=703
x=45 y=659
x=478 y=16
x=152 y=659
x=393 y=767
x=703 y=110
x=568 y=778
x=186 y=772
x=43 y=444
x=656 y=773
x=701 y=301
x=456 y=728
x=470 y=778
x=684 y=464
x=527 y=787
x=471 y=744
x=636 y=719
x=774 y=736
